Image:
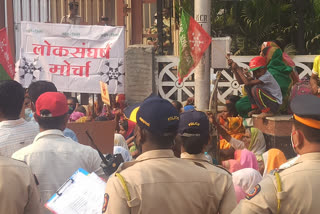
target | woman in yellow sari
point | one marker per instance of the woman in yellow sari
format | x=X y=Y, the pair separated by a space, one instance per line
x=235 y=129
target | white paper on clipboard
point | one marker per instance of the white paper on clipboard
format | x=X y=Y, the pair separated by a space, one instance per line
x=83 y=193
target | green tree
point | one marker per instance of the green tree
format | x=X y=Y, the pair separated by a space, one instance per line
x=312 y=27
x=296 y=23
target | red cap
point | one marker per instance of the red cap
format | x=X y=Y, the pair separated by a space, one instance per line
x=54 y=102
x=257 y=62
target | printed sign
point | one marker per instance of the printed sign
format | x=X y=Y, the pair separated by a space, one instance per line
x=104 y=93
x=74 y=57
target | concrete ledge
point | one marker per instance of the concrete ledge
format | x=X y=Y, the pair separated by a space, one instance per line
x=275 y=126
x=277 y=132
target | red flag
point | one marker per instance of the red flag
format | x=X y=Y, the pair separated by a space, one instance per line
x=6 y=60
x=193 y=42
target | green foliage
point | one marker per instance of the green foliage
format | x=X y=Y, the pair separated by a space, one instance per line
x=255 y=21
x=312 y=31
x=187 y=5
x=251 y=22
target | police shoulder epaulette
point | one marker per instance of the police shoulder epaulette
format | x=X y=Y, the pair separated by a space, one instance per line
x=274 y=171
x=126 y=165
x=276 y=174
x=124 y=185
x=223 y=169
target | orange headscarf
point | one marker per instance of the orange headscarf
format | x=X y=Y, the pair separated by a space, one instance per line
x=275 y=159
x=235 y=129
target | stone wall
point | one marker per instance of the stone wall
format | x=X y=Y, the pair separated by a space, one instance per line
x=140 y=80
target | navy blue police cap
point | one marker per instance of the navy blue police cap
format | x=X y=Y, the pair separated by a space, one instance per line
x=306 y=110
x=193 y=123
x=158 y=116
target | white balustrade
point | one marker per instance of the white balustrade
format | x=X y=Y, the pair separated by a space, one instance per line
x=170 y=89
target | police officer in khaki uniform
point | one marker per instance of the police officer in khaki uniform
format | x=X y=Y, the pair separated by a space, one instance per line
x=295 y=189
x=18 y=190
x=158 y=182
x=193 y=133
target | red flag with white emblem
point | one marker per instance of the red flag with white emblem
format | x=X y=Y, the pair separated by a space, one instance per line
x=6 y=60
x=193 y=42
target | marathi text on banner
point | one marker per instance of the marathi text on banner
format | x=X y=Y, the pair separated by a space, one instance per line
x=74 y=57
x=78 y=52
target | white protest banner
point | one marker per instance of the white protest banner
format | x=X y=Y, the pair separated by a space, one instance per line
x=74 y=57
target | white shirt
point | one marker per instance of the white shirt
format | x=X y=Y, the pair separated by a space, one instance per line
x=16 y=134
x=53 y=158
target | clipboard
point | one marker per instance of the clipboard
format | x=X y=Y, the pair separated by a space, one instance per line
x=81 y=193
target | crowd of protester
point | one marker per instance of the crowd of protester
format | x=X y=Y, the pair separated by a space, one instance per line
x=49 y=150
x=168 y=166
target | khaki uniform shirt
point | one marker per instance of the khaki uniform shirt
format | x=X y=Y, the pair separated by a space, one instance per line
x=158 y=182
x=18 y=190
x=223 y=181
x=300 y=190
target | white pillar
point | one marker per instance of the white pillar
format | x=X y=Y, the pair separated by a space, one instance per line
x=202 y=9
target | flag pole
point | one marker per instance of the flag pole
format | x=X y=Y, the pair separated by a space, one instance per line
x=202 y=10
